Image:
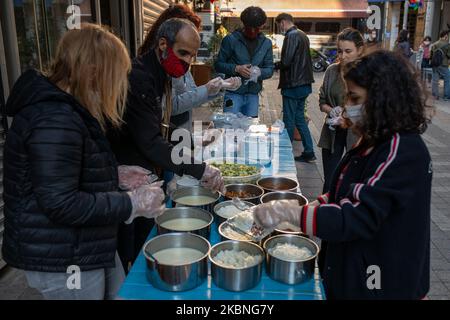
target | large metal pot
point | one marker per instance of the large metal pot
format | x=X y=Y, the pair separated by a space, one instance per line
x=256 y=191
x=271 y=184
x=236 y=279
x=176 y=277
x=195 y=191
x=182 y=213
x=284 y=195
x=290 y=272
x=223 y=204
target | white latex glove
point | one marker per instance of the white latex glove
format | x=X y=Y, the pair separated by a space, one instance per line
x=255 y=73
x=214 y=86
x=334 y=122
x=336 y=112
x=232 y=84
x=212 y=179
x=132 y=177
x=270 y=215
x=147 y=201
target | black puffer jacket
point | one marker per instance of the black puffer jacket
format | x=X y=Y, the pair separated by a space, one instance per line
x=62 y=207
x=296 y=64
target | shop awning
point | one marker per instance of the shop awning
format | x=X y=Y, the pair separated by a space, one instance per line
x=302 y=8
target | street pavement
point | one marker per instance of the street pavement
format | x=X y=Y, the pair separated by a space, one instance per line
x=13 y=284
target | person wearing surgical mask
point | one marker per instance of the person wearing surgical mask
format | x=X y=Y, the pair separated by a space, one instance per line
x=376 y=216
x=372 y=42
x=334 y=139
x=140 y=140
x=246 y=53
x=186 y=95
x=425 y=52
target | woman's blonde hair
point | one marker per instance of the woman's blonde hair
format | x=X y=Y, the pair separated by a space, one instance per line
x=92 y=64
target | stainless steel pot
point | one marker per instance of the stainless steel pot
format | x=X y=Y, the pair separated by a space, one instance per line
x=218 y=206
x=232 y=279
x=271 y=184
x=185 y=212
x=176 y=277
x=290 y=272
x=256 y=191
x=284 y=195
x=195 y=191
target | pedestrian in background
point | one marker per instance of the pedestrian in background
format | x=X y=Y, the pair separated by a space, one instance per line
x=296 y=77
x=246 y=53
x=402 y=45
x=425 y=52
x=372 y=42
x=334 y=139
x=440 y=57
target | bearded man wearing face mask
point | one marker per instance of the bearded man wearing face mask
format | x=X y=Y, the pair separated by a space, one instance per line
x=246 y=53
x=140 y=141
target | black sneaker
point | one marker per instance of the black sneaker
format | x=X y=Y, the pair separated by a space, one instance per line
x=306 y=158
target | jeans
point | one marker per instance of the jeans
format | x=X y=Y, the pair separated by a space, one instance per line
x=247 y=104
x=439 y=72
x=97 y=284
x=294 y=116
x=330 y=160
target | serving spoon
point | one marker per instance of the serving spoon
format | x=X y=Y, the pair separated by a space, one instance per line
x=238 y=203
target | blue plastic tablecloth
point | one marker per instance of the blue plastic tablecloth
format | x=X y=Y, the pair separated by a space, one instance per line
x=136 y=285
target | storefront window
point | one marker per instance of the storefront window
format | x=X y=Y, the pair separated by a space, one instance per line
x=40 y=24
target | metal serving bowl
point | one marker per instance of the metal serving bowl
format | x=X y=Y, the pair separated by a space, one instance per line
x=290 y=272
x=270 y=184
x=176 y=277
x=196 y=191
x=223 y=204
x=284 y=195
x=185 y=212
x=250 y=188
x=224 y=237
x=236 y=279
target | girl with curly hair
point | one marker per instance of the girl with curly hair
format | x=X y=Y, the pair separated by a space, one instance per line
x=376 y=217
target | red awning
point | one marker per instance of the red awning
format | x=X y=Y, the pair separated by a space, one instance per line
x=302 y=8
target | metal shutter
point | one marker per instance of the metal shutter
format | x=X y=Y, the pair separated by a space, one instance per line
x=151 y=9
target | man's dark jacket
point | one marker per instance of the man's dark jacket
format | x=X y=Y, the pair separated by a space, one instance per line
x=139 y=141
x=296 y=64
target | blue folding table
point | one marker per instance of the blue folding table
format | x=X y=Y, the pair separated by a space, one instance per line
x=137 y=287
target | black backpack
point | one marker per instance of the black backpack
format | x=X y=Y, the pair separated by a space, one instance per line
x=438 y=57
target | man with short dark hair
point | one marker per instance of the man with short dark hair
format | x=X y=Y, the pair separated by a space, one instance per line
x=296 y=77
x=442 y=48
x=246 y=53
x=139 y=141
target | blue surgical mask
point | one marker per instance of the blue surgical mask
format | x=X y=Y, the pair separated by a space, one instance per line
x=354 y=113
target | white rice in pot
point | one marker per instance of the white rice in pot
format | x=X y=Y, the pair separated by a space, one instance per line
x=290 y=252
x=236 y=259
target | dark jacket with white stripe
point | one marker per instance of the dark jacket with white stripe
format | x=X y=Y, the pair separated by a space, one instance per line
x=379 y=217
